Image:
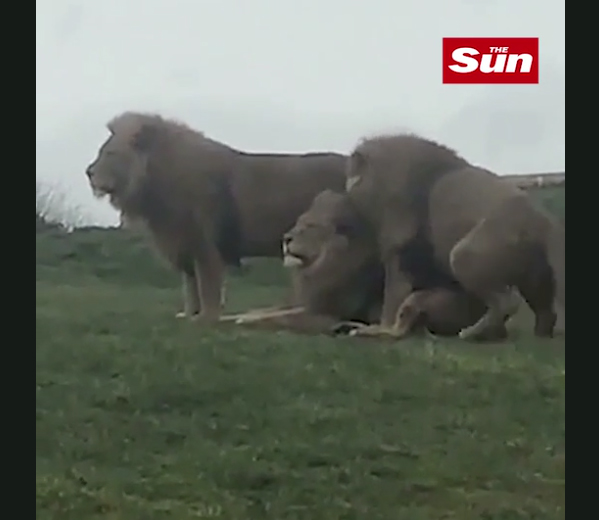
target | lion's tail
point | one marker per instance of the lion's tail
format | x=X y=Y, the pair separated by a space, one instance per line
x=555 y=247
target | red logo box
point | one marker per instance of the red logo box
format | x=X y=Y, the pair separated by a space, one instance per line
x=491 y=60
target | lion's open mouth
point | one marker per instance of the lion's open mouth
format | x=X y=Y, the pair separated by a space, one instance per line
x=102 y=191
x=294 y=260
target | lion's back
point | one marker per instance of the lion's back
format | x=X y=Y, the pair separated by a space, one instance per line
x=273 y=190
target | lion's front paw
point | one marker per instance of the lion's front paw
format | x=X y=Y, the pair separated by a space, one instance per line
x=345 y=328
x=183 y=315
x=206 y=317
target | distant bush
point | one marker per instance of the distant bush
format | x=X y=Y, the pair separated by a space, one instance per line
x=54 y=210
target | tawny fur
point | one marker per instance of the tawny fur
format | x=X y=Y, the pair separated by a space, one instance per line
x=443 y=312
x=338 y=277
x=486 y=233
x=204 y=203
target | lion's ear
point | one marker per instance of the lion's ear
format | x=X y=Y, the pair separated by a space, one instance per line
x=358 y=159
x=145 y=137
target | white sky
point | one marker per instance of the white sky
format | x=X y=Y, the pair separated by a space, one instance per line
x=285 y=75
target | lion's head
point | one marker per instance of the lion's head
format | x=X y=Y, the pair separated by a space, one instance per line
x=325 y=235
x=122 y=158
x=384 y=169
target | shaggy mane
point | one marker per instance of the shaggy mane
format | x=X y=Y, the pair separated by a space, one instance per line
x=412 y=153
x=418 y=161
x=164 y=131
x=131 y=122
x=162 y=196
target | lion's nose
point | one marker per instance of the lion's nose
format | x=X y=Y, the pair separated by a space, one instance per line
x=89 y=171
x=286 y=239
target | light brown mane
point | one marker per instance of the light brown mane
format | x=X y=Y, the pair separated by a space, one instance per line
x=164 y=140
x=410 y=152
x=418 y=161
x=128 y=124
x=167 y=196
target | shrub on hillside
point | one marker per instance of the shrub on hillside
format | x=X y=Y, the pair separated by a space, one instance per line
x=53 y=209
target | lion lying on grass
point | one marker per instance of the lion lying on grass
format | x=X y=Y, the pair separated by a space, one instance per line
x=205 y=204
x=486 y=233
x=338 y=280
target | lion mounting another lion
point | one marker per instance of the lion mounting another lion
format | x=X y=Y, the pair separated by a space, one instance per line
x=205 y=204
x=486 y=233
x=431 y=216
x=338 y=280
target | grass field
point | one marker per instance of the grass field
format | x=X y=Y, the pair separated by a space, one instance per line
x=140 y=416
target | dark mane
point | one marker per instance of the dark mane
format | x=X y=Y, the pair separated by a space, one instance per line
x=163 y=139
x=412 y=152
x=419 y=161
x=343 y=215
x=417 y=257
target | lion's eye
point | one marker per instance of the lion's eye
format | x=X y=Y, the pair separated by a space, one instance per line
x=344 y=229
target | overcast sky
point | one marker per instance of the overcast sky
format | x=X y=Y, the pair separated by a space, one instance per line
x=290 y=75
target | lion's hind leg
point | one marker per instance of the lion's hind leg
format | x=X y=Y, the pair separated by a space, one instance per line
x=482 y=263
x=501 y=307
x=538 y=290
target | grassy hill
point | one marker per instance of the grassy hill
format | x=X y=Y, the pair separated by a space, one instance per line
x=140 y=416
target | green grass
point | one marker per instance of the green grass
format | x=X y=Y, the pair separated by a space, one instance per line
x=141 y=416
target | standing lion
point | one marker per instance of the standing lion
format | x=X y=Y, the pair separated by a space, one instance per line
x=485 y=232
x=205 y=204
